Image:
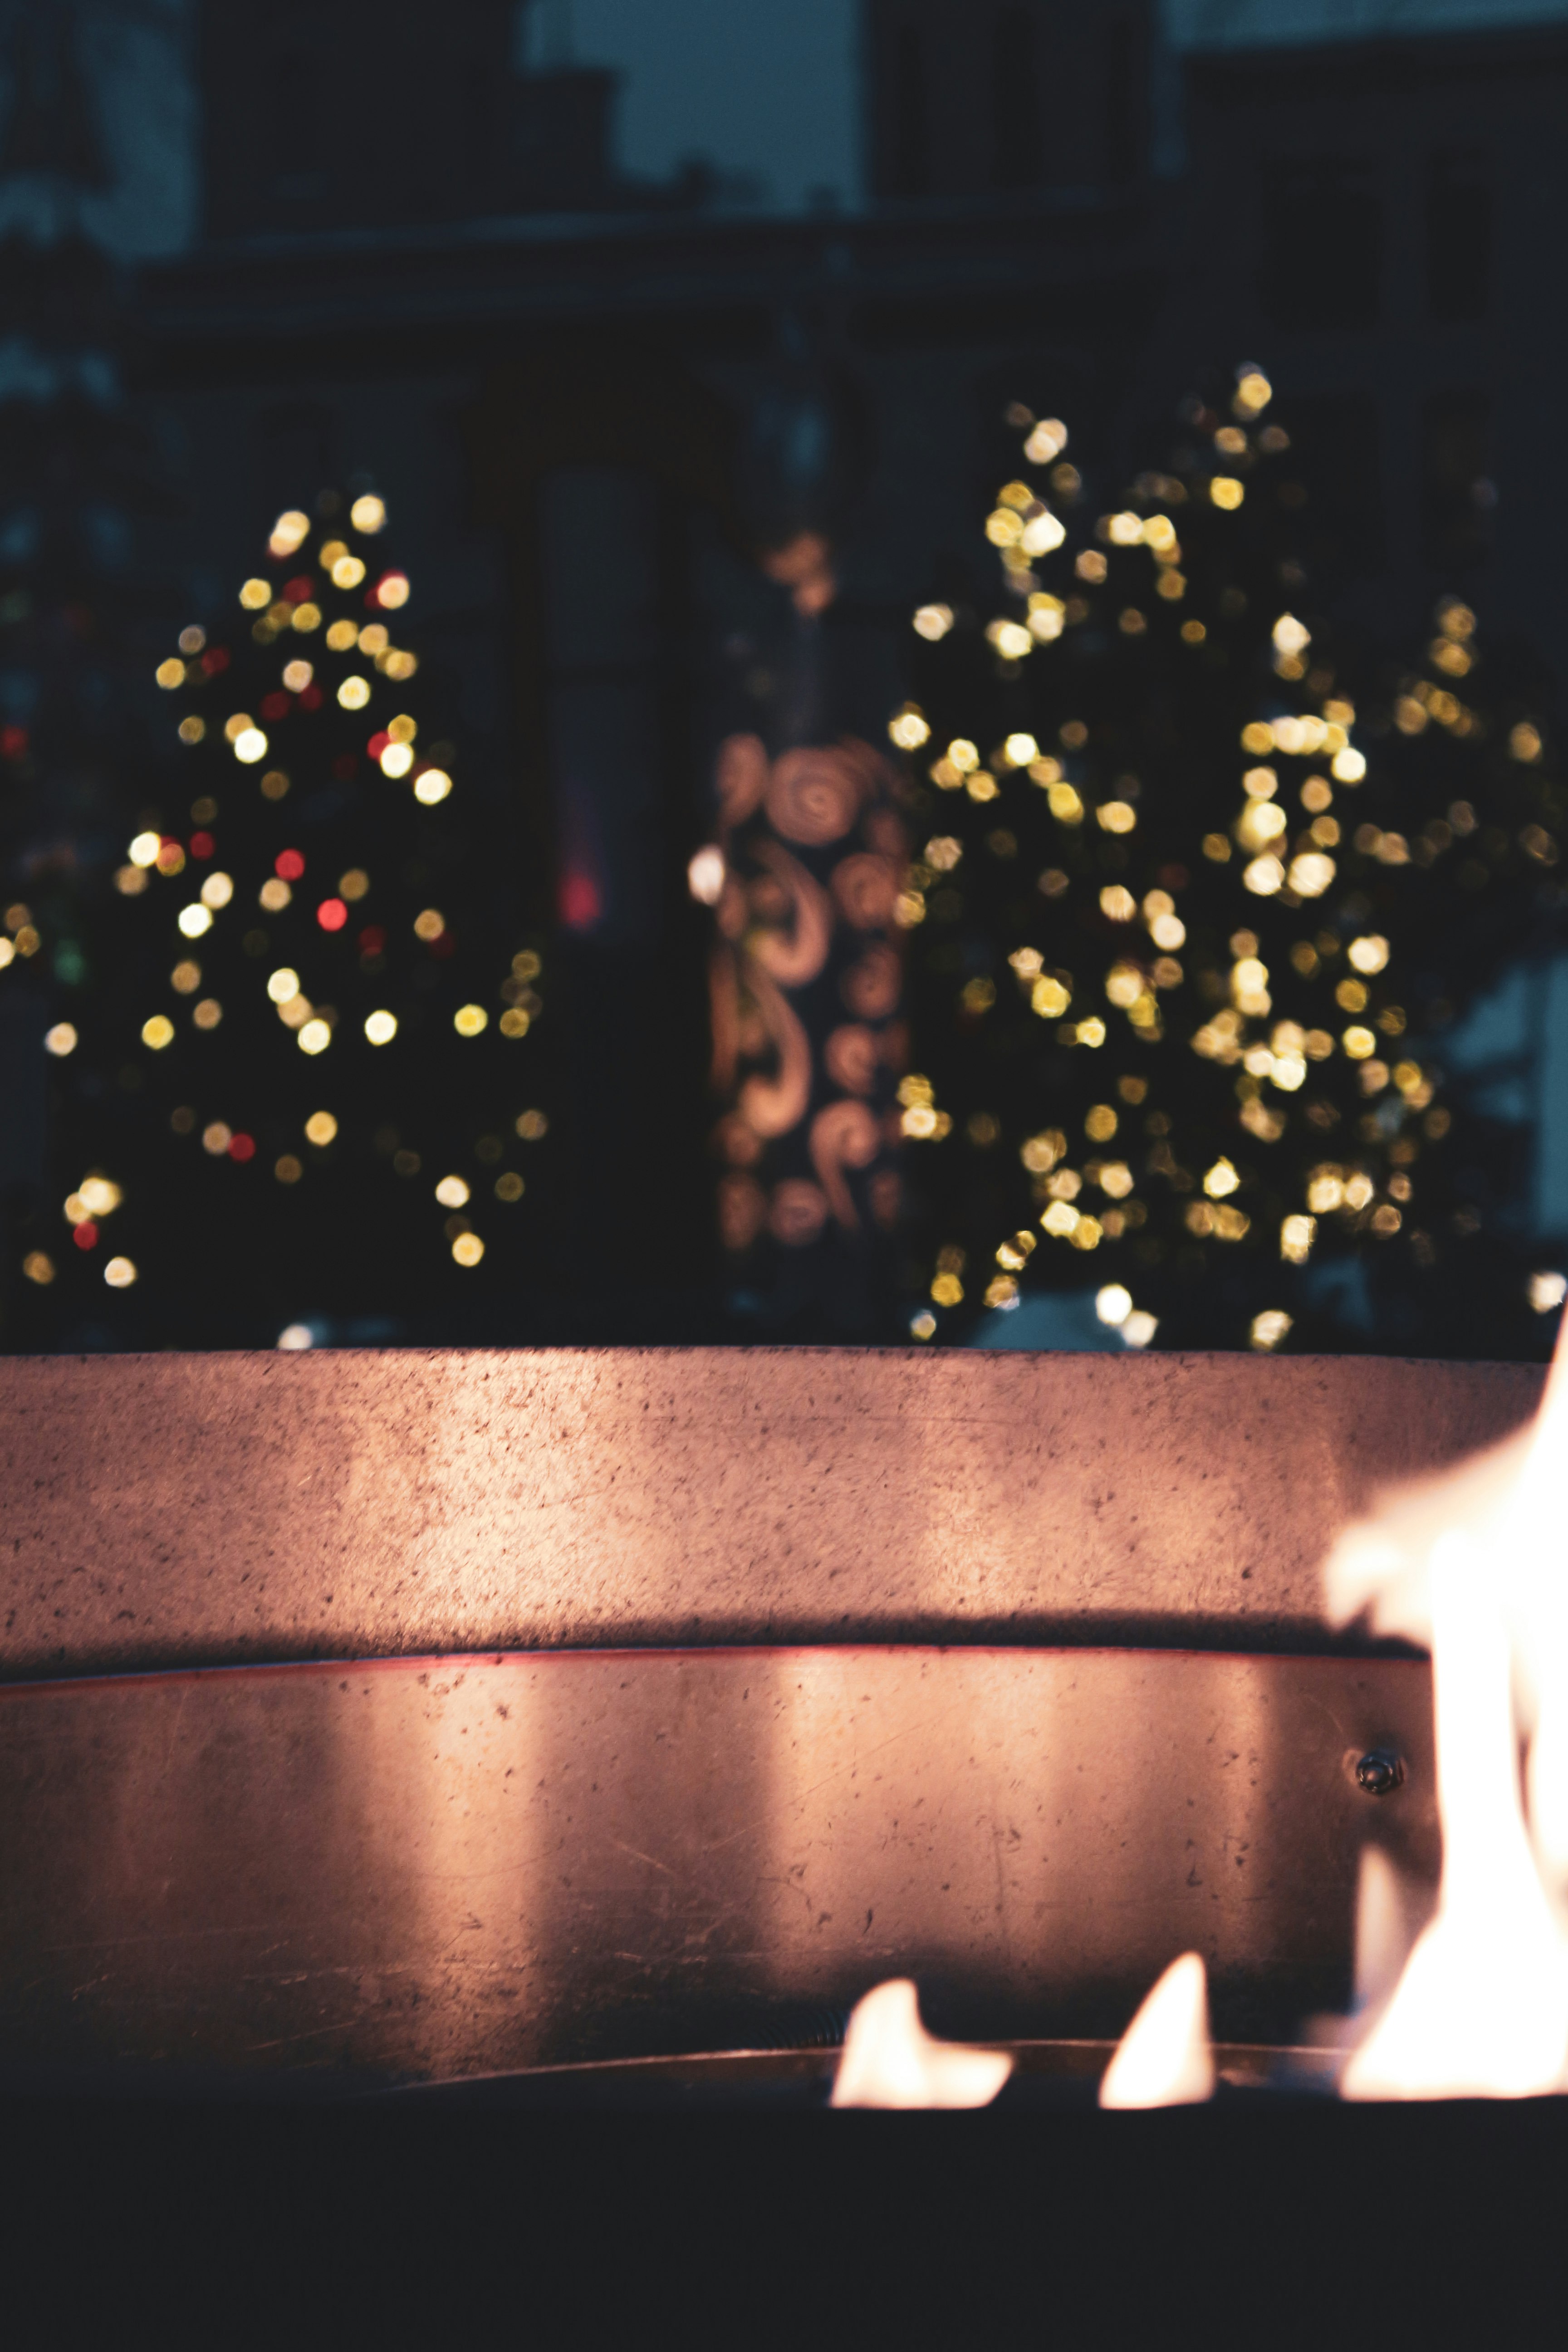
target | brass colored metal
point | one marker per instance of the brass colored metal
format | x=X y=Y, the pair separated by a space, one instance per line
x=437 y=1867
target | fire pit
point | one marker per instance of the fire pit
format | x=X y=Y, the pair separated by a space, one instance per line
x=705 y=1690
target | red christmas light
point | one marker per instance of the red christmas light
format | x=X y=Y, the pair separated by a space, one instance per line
x=242 y=1146
x=332 y=914
x=288 y=866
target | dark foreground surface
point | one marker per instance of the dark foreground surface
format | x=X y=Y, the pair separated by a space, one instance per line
x=1255 y=2222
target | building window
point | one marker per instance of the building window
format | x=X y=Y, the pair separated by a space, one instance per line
x=1323 y=264
x=911 y=144
x=1458 y=237
x=1456 y=496
x=1016 y=100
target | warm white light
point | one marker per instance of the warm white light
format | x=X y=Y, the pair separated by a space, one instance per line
x=251 y=745
x=315 y=1037
x=296 y=1335
x=1113 y=1304
x=432 y=785
x=61 y=1039
x=143 y=850
x=217 y=889
x=891 y=2060
x=705 y=876
x=397 y=758
x=194 y=919
x=1482 y=2006
x=1138 y=1328
x=1164 y=2059
x=380 y=1028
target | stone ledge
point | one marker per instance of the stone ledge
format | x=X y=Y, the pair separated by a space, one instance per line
x=215 y=1509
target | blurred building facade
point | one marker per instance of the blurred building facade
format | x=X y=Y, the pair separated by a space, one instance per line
x=393 y=249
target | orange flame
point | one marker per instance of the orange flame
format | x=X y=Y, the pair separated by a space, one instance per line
x=1476 y=1564
x=891 y=2060
x=1164 y=2059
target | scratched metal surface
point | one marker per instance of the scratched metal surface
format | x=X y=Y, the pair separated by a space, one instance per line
x=436 y=1867
x=199 y=1510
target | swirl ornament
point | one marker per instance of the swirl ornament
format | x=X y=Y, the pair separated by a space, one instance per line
x=741 y=779
x=871 y=988
x=866 y=886
x=844 y=1135
x=773 y=1106
x=850 y=1058
x=799 y=1213
x=798 y=956
x=814 y=794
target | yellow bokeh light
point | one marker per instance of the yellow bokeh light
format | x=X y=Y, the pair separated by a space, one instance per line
x=283 y=985
x=1226 y=492
x=217 y=890
x=394 y=590
x=274 y=894
x=315 y=1037
x=193 y=728
x=468 y=1249
x=1358 y=1042
x=158 y=1032
x=347 y=572
x=297 y=675
x=171 y=674
x=255 y=595
x=321 y=1127
x=515 y=1021
x=452 y=1191
x=368 y=514
x=60 y=1040
x=120 y=1273
x=932 y=622
x=380 y=1028
x=250 y=745
x=397 y=758
x=344 y=633
x=908 y=729
x=431 y=785
x=143 y=850
x=1220 y=1179
x=354 y=693
x=429 y=923
x=1347 y=766
x=217 y=1138
x=469 y=1019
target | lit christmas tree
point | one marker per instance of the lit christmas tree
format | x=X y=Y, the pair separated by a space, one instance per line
x=301 y=1086
x=1200 y=889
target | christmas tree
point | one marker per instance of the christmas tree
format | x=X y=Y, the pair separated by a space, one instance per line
x=1201 y=887
x=301 y=1086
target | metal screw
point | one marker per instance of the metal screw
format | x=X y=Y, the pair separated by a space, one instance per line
x=1379 y=1772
